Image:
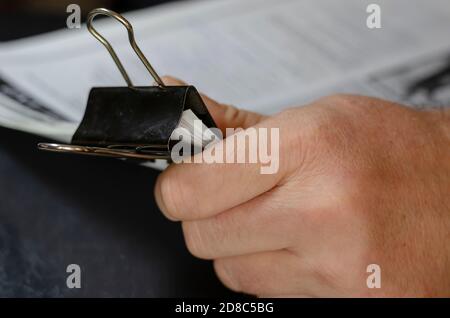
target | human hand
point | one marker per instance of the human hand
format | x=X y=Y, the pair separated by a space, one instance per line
x=361 y=181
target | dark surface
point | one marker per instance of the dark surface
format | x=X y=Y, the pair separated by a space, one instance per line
x=56 y=210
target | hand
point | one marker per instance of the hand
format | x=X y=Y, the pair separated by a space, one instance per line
x=361 y=181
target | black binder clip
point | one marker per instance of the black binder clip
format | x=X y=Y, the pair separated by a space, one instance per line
x=131 y=122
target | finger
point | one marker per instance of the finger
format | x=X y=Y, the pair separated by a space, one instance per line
x=266 y=223
x=225 y=116
x=270 y=274
x=173 y=81
x=196 y=191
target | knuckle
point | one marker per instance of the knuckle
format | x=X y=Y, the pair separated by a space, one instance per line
x=195 y=240
x=232 y=114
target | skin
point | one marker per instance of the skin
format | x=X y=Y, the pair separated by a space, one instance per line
x=361 y=181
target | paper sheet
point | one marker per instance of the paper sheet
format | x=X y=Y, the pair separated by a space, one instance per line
x=262 y=55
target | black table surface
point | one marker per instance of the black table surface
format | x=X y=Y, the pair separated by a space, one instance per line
x=57 y=210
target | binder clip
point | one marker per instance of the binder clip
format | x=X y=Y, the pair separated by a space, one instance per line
x=131 y=122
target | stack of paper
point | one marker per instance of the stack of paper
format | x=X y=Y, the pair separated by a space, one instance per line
x=262 y=55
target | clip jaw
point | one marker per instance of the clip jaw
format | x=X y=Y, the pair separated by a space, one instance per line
x=131 y=122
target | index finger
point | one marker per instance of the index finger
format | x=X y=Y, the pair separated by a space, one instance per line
x=225 y=116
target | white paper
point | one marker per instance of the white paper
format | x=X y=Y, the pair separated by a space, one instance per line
x=262 y=55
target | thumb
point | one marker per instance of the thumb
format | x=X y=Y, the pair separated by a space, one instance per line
x=225 y=116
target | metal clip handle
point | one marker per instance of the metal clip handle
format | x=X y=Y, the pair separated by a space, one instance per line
x=104 y=152
x=129 y=27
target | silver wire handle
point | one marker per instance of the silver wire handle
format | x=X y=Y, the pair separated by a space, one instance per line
x=129 y=27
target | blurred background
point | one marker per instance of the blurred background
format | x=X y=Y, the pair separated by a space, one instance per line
x=19 y=18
